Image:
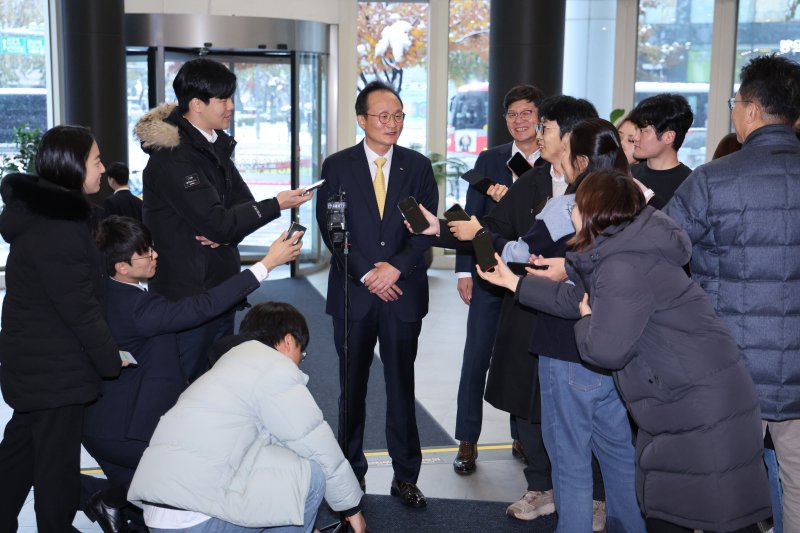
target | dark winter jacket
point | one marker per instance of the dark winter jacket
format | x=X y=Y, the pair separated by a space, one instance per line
x=191 y=187
x=54 y=344
x=742 y=213
x=699 y=446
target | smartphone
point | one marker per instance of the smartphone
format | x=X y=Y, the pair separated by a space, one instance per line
x=484 y=250
x=478 y=181
x=413 y=214
x=456 y=212
x=315 y=185
x=518 y=164
x=519 y=268
x=294 y=228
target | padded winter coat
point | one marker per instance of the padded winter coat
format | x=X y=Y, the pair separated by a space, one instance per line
x=699 y=445
x=235 y=445
x=191 y=187
x=742 y=213
x=55 y=344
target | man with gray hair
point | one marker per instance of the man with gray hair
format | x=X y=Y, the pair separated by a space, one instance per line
x=742 y=212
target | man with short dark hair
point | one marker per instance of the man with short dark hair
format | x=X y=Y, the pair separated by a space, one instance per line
x=387 y=280
x=742 y=212
x=246 y=446
x=520 y=108
x=122 y=202
x=195 y=201
x=663 y=121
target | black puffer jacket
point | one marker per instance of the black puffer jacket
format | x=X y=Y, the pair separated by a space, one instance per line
x=54 y=344
x=677 y=367
x=191 y=187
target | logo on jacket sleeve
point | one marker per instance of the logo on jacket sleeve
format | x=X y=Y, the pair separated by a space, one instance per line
x=192 y=182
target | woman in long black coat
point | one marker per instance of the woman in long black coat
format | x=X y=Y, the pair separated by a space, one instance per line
x=55 y=345
x=677 y=367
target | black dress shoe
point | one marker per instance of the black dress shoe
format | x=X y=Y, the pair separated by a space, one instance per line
x=107 y=517
x=464 y=463
x=408 y=493
x=518 y=452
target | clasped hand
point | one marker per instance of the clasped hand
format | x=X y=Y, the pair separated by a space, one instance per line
x=382 y=282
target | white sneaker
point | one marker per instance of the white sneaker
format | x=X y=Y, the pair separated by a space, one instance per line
x=598 y=516
x=533 y=504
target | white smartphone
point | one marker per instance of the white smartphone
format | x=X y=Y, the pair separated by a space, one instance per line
x=315 y=185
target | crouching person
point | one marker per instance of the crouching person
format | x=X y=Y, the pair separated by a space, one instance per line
x=246 y=447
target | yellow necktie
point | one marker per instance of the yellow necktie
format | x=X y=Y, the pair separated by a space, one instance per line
x=379 y=184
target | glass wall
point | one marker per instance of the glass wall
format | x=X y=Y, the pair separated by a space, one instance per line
x=393 y=47
x=467 y=90
x=766 y=27
x=24 y=45
x=674 y=56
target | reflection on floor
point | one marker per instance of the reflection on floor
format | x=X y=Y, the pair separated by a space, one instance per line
x=499 y=476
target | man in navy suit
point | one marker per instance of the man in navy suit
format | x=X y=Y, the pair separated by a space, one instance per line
x=122 y=202
x=118 y=426
x=520 y=107
x=387 y=280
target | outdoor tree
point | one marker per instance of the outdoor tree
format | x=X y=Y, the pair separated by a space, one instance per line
x=392 y=37
x=657 y=57
x=469 y=41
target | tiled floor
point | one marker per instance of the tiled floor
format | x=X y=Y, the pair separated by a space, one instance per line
x=499 y=476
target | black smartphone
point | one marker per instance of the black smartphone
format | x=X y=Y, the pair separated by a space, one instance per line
x=519 y=268
x=478 y=181
x=413 y=214
x=484 y=250
x=518 y=164
x=294 y=228
x=456 y=212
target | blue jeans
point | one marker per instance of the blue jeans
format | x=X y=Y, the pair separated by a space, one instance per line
x=313 y=501
x=582 y=413
x=775 y=489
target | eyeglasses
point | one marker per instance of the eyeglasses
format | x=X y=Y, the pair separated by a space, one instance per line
x=149 y=255
x=524 y=115
x=732 y=102
x=384 y=117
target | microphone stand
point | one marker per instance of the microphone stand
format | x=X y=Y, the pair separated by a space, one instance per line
x=342 y=526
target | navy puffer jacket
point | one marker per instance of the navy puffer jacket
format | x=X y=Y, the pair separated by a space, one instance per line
x=742 y=213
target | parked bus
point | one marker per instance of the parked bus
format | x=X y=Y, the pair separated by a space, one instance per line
x=467 y=118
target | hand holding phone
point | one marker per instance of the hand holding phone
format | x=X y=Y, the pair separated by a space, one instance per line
x=478 y=181
x=412 y=213
x=293 y=229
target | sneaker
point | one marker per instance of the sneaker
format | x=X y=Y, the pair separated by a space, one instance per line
x=598 y=516
x=533 y=504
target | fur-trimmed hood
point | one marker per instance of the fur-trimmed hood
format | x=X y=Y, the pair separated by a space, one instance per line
x=27 y=197
x=157 y=129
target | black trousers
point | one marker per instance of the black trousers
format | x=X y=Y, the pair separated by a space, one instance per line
x=118 y=459
x=398 y=350
x=42 y=449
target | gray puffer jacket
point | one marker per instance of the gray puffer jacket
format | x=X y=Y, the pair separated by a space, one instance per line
x=742 y=213
x=699 y=444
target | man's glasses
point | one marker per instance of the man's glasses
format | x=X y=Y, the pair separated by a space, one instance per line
x=383 y=118
x=524 y=115
x=148 y=255
x=732 y=102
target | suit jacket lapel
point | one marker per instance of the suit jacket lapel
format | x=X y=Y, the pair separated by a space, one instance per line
x=363 y=179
